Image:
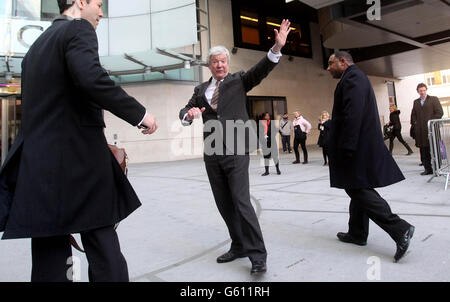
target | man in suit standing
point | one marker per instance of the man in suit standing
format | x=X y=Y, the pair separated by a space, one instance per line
x=359 y=160
x=60 y=176
x=222 y=99
x=425 y=108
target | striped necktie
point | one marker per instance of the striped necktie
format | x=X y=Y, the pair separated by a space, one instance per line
x=215 y=97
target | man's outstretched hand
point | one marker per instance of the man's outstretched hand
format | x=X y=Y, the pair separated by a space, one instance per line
x=281 y=36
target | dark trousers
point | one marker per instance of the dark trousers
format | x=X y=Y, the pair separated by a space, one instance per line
x=397 y=134
x=325 y=154
x=425 y=157
x=301 y=142
x=367 y=204
x=229 y=180
x=51 y=263
x=286 y=141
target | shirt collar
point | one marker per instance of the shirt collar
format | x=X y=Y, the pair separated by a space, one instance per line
x=63 y=17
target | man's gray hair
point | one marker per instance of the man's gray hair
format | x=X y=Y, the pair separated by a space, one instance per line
x=344 y=55
x=218 y=50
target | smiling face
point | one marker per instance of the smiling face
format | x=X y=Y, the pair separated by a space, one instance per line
x=218 y=64
x=422 y=91
x=92 y=11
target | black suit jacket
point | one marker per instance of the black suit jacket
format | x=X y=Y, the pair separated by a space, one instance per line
x=231 y=106
x=60 y=176
x=358 y=156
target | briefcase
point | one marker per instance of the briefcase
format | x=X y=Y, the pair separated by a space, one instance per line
x=122 y=158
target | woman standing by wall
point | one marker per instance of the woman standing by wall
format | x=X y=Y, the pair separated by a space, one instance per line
x=324 y=127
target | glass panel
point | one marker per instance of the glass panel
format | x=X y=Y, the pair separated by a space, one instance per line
x=103 y=37
x=172 y=74
x=28 y=9
x=249 y=27
x=188 y=74
x=119 y=8
x=160 y=5
x=131 y=34
x=49 y=9
x=174 y=28
x=5 y=8
x=118 y=63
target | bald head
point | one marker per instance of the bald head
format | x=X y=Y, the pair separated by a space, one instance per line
x=338 y=63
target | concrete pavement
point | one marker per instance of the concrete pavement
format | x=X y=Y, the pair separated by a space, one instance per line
x=177 y=233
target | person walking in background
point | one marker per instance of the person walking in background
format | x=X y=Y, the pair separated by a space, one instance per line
x=394 y=120
x=301 y=128
x=324 y=128
x=286 y=128
x=359 y=159
x=425 y=108
x=269 y=146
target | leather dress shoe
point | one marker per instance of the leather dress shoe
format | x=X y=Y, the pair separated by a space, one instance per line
x=403 y=244
x=228 y=256
x=258 y=267
x=265 y=174
x=426 y=173
x=296 y=162
x=347 y=238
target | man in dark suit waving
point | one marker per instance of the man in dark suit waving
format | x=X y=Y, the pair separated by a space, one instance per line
x=60 y=176
x=220 y=100
x=359 y=159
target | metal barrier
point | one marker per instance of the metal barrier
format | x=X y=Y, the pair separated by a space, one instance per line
x=439 y=136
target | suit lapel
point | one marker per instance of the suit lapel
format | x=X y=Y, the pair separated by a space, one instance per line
x=202 y=93
x=223 y=101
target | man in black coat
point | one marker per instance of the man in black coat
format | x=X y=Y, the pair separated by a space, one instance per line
x=60 y=176
x=359 y=159
x=219 y=101
x=425 y=108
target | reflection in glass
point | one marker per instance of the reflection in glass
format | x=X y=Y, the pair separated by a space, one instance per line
x=5 y=8
x=249 y=27
x=28 y=9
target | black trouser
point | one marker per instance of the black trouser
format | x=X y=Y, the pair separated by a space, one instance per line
x=325 y=153
x=286 y=141
x=367 y=204
x=397 y=134
x=425 y=157
x=301 y=142
x=229 y=180
x=51 y=263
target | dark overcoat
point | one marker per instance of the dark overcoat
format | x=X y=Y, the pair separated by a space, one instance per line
x=358 y=156
x=420 y=115
x=324 y=133
x=60 y=176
